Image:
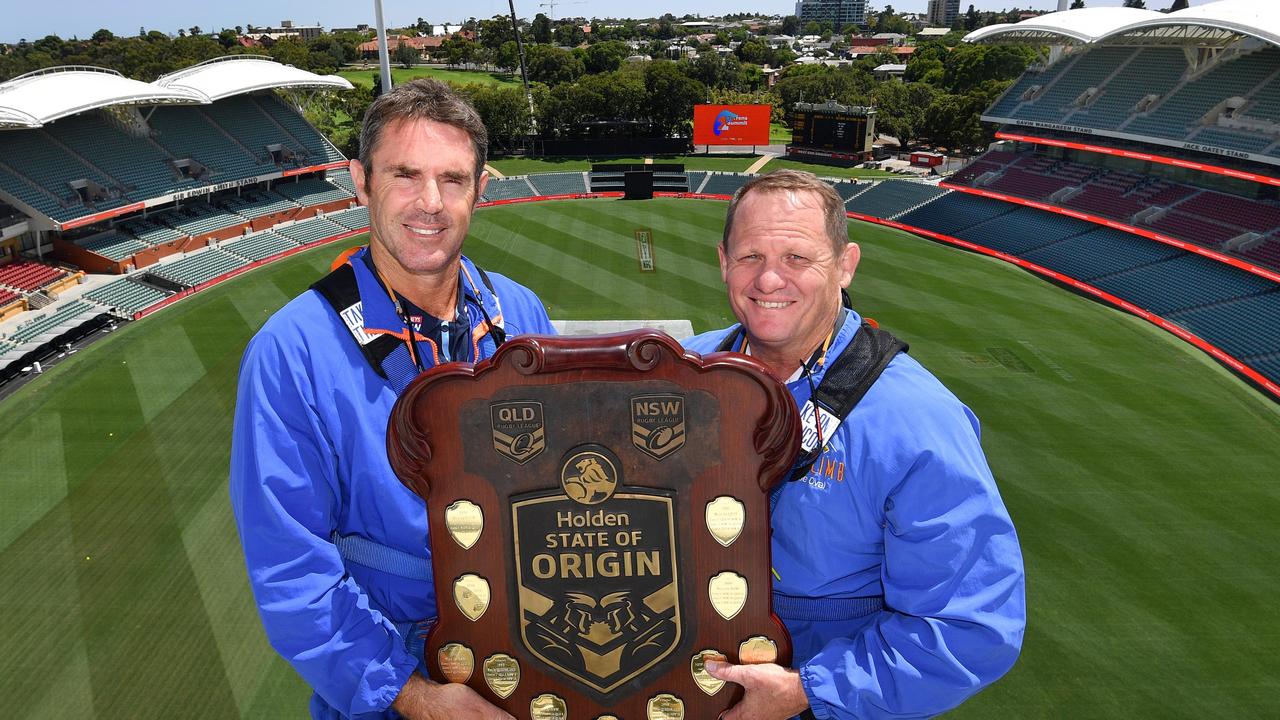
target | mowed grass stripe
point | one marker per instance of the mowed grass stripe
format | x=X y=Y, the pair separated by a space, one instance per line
x=1139 y=473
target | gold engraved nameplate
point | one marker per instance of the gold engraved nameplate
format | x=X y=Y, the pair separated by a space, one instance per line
x=457 y=662
x=606 y=717
x=728 y=593
x=725 y=518
x=698 y=667
x=501 y=674
x=471 y=593
x=665 y=707
x=548 y=707
x=465 y=521
x=757 y=650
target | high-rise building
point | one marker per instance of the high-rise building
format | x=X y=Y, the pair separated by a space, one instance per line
x=839 y=12
x=943 y=13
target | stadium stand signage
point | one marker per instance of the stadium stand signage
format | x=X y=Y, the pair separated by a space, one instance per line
x=1134 y=155
x=210 y=189
x=1148 y=139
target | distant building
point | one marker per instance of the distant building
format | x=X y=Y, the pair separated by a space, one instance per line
x=943 y=12
x=933 y=32
x=838 y=12
x=287 y=29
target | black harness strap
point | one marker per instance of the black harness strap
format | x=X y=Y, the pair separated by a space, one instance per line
x=339 y=288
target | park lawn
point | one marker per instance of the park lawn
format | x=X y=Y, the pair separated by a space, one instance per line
x=697 y=161
x=779 y=134
x=1140 y=475
x=402 y=75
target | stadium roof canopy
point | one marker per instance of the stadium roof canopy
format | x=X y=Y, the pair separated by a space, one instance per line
x=1068 y=27
x=1217 y=24
x=235 y=74
x=43 y=96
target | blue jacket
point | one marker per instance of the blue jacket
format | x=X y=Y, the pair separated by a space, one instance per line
x=308 y=458
x=900 y=504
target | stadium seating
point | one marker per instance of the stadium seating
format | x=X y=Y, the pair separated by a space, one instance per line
x=61 y=318
x=1181 y=282
x=309 y=231
x=1152 y=71
x=198 y=218
x=955 y=212
x=137 y=162
x=357 y=218
x=1175 y=115
x=113 y=246
x=256 y=203
x=148 y=231
x=312 y=191
x=507 y=189
x=342 y=178
x=1007 y=103
x=696 y=179
x=1244 y=328
x=891 y=198
x=1023 y=230
x=29 y=276
x=243 y=120
x=559 y=183
x=1190 y=227
x=320 y=150
x=37 y=171
x=126 y=297
x=724 y=183
x=1100 y=252
x=847 y=188
x=199 y=267
x=259 y=245
x=188 y=133
x=1089 y=71
x=1257 y=215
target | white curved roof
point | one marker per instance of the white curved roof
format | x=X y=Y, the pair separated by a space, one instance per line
x=10 y=118
x=1068 y=26
x=1216 y=23
x=43 y=96
x=235 y=74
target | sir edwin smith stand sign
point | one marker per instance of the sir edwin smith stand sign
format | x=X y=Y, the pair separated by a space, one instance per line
x=599 y=522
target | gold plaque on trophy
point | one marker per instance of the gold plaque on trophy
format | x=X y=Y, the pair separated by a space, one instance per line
x=665 y=707
x=698 y=667
x=757 y=650
x=501 y=674
x=606 y=717
x=471 y=593
x=457 y=662
x=728 y=593
x=548 y=707
x=725 y=517
x=465 y=521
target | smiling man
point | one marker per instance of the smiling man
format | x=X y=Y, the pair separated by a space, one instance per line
x=335 y=545
x=897 y=571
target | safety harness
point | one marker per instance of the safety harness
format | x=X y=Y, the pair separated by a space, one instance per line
x=845 y=383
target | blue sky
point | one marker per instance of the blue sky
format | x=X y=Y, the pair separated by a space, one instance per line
x=80 y=18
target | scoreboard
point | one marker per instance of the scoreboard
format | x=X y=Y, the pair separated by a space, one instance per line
x=839 y=129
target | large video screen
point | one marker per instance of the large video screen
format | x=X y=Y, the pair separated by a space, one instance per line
x=731 y=124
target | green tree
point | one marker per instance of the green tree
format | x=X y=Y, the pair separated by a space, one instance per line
x=790 y=25
x=495 y=31
x=507 y=58
x=540 y=29
x=551 y=65
x=605 y=56
x=405 y=55
x=753 y=51
x=971 y=65
x=971 y=19
x=1076 y=5
x=900 y=109
x=569 y=35
x=670 y=96
x=1178 y=5
x=1137 y=4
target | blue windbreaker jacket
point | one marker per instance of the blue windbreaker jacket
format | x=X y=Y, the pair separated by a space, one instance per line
x=900 y=504
x=309 y=459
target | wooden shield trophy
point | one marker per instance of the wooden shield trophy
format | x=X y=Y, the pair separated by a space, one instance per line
x=599 y=522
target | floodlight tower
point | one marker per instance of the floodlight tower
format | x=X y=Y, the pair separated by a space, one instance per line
x=384 y=59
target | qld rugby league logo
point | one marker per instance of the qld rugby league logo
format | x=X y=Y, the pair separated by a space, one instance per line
x=518 y=429
x=595 y=565
x=657 y=424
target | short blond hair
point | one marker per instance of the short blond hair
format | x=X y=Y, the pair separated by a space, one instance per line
x=837 y=223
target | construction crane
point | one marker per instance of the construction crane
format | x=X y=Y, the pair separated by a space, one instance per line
x=551 y=6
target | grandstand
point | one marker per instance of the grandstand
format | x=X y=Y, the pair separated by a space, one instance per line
x=114 y=175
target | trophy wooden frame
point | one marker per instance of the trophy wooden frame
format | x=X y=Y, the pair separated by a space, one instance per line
x=599 y=522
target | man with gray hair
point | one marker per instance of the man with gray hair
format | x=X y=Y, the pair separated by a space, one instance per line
x=336 y=547
x=896 y=568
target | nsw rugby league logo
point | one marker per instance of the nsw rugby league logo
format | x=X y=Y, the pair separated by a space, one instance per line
x=657 y=424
